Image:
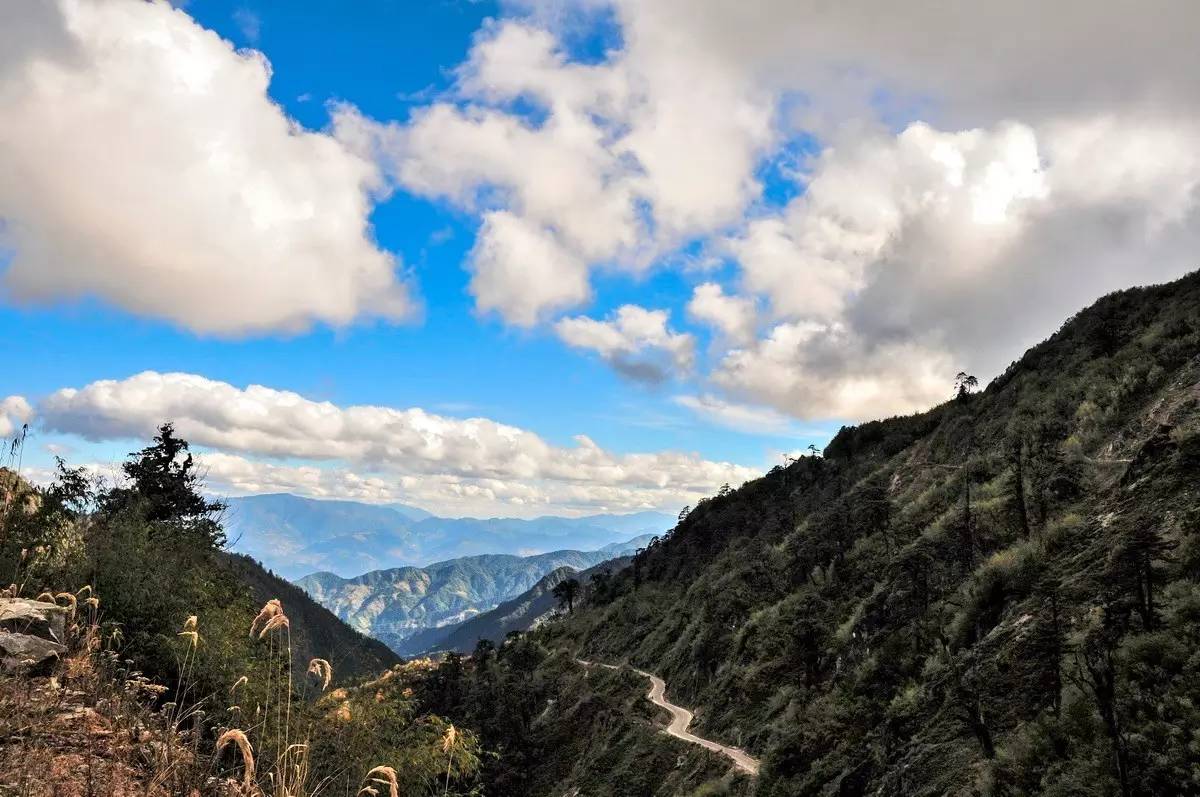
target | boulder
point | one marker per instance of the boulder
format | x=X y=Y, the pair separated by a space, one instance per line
x=27 y=654
x=35 y=618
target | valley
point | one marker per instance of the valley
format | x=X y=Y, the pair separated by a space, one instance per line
x=416 y=609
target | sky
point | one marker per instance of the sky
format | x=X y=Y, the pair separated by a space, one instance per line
x=513 y=259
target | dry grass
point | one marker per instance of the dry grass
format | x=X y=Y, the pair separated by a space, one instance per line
x=384 y=776
x=278 y=621
x=71 y=602
x=269 y=610
x=150 y=749
x=233 y=736
x=322 y=672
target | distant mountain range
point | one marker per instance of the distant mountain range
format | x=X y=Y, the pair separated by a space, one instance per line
x=294 y=536
x=516 y=614
x=400 y=605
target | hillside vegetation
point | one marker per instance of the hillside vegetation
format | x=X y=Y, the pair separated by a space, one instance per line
x=999 y=596
x=531 y=607
x=137 y=659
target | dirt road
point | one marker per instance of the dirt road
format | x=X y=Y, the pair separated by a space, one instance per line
x=681 y=718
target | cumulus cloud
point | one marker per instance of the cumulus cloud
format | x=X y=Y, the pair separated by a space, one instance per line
x=1053 y=165
x=523 y=272
x=637 y=342
x=969 y=63
x=733 y=316
x=277 y=436
x=623 y=160
x=14 y=411
x=813 y=370
x=911 y=256
x=143 y=162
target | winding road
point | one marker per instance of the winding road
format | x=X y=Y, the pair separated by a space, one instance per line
x=681 y=718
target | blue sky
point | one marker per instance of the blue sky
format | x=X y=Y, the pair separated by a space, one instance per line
x=522 y=207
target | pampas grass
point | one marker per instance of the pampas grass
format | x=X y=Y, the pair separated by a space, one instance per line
x=385 y=776
x=322 y=671
x=236 y=737
x=277 y=621
x=72 y=603
x=269 y=610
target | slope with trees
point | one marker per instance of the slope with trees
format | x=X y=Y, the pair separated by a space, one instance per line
x=170 y=679
x=998 y=596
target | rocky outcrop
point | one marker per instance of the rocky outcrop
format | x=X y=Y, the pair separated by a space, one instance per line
x=31 y=635
x=37 y=618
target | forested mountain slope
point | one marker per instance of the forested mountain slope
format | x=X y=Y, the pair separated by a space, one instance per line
x=394 y=604
x=316 y=632
x=998 y=596
x=516 y=614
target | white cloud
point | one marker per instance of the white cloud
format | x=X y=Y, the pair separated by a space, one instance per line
x=1052 y=161
x=143 y=162
x=360 y=450
x=740 y=417
x=734 y=316
x=444 y=494
x=14 y=411
x=635 y=341
x=522 y=271
x=912 y=256
x=811 y=370
x=624 y=160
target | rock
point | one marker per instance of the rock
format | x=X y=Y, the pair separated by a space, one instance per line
x=30 y=655
x=35 y=618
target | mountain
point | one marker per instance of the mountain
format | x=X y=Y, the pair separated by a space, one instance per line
x=315 y=631
x=998 y=596
x=294 y=535
x=395 y=604
x=618 y=548
x=521 y=613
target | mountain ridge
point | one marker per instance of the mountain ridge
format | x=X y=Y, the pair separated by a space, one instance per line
x=296 y=536
x=395 y=604
x=998 y=596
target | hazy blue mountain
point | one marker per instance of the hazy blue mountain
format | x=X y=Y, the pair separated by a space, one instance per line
x=410 y=512
x=393 y=605
x=294 y=535
x=620 y=548
x=516 y=614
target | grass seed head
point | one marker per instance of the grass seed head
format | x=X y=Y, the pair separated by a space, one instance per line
x=385 y=776
x=269 y=610
x=71 y=602
x=277 y=621
x=322 y=671
x=233 y=736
